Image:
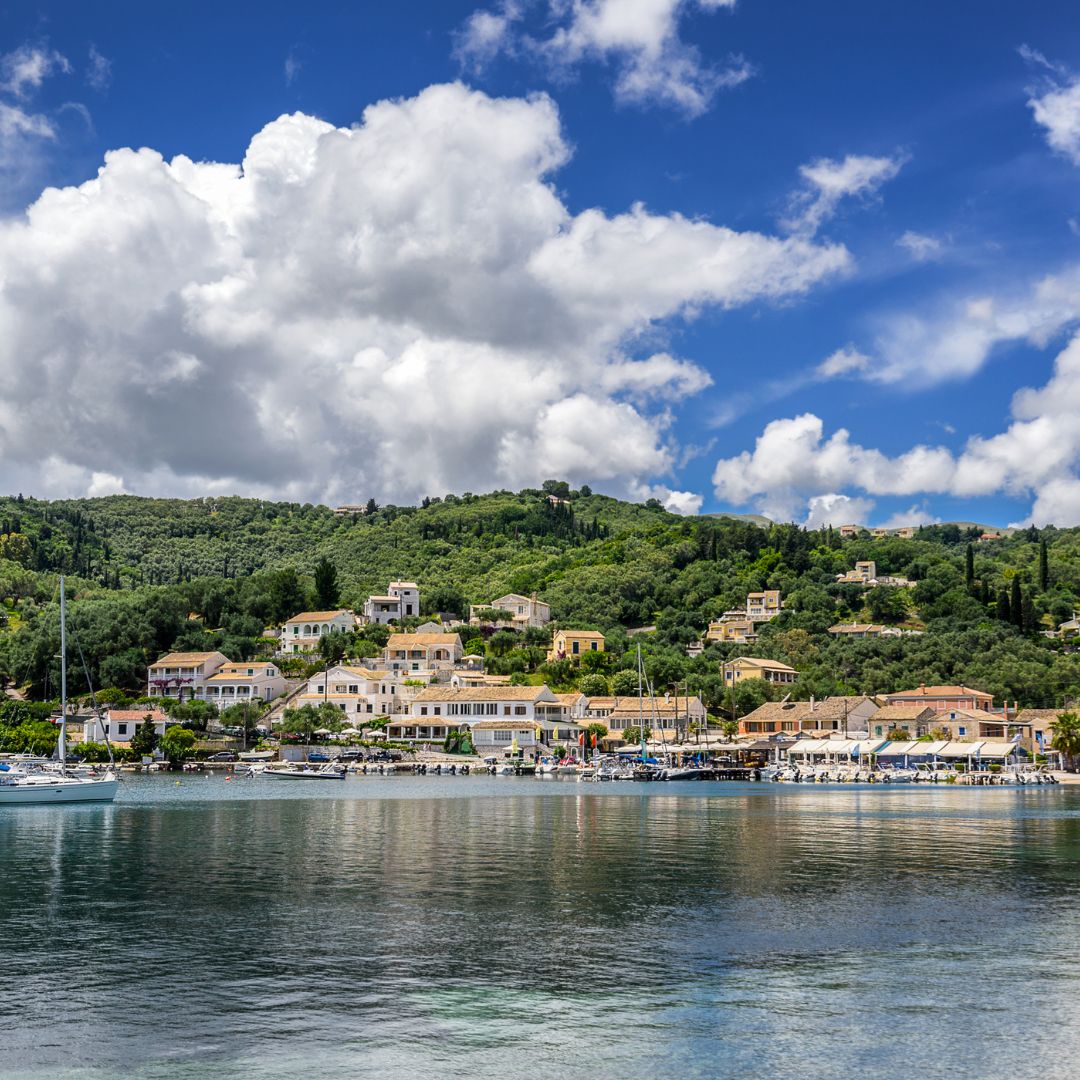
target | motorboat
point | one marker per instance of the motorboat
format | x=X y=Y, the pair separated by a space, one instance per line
x=329 y=771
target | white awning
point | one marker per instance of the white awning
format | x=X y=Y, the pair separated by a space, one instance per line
x=961 y=750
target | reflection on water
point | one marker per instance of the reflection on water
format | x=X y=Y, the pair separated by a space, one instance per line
x=471 y=926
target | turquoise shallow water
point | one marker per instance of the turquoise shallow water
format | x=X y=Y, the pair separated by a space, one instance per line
x=481 y=926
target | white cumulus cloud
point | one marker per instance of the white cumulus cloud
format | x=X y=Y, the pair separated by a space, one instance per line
x=1057 y=111
x=641 y=39
x=399 y=308
x=827 y=182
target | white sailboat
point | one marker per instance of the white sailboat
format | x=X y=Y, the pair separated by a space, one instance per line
x=22 y=785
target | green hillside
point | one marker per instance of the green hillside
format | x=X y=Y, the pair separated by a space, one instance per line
x=147 y=575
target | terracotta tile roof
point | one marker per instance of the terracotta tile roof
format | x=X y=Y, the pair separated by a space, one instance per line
x=772 y=665
x=136 y=714
x=405 y=641
x=502 y=725
x=940 y=692
x=889 y=713
x=581 y=633
x=318 y=616
x=485 y=693
x=189 y=658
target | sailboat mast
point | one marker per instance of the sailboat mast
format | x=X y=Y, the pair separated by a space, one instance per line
x=641 y=703
x=63 y=675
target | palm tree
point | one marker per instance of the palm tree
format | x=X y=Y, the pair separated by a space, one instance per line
x=1066 y=739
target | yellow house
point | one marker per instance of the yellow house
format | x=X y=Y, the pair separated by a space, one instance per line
x=748 y=667
x=737 y=630
x=571 y=644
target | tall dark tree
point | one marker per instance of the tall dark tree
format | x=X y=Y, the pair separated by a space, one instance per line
x=969 y=568
x=1027 y=615
x=1003 y=605
x=326 y=583
x=1016 y=603
x=1044 y=567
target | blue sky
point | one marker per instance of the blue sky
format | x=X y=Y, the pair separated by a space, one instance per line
x=894 y=187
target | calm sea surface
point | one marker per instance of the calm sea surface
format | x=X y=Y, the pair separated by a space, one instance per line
x=489 y=926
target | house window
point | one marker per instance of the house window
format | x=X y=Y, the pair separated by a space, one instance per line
x=593 y=646
x=121 y=729
x=575 y=647
x=520 y=710
x=369 y=708
x=437 y=710
x=423 y=710
x=506 y=710
x=962 y=730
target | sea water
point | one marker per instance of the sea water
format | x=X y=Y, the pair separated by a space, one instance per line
x=489 y=926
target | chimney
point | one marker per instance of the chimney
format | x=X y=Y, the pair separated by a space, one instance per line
x=811 y=702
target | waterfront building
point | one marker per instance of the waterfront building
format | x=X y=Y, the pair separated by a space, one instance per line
x=941 y=698
x=410 y=729
x=183 y=675
x=481 y=702
x=911 y=720
x=120 y=725
x=506 y=738
x=303 y=632
x=668 y=718
x=572 y=644
x=833 y=714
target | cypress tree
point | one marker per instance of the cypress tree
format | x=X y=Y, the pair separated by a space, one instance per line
x=1027 y=615
x=1016 y=604
x=1044 y=567
x=969 y=567
x=1003 y=605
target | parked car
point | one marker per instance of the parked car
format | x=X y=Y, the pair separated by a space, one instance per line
x=223 y=755
x=318 y=755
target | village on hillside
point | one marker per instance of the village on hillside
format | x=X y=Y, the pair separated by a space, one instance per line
x=428 y=688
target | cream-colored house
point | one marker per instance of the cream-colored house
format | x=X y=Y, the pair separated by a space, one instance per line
x=749 y=667
x=183 y=675
x=573 y=644
x=237 y=683
x=421 y=652
x=524 y=611
x=302 y=632
x=762 y=606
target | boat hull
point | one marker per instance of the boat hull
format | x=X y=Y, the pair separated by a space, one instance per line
x=281 y=774
x=59 y=792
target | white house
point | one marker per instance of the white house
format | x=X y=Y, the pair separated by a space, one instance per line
x=183 y=674
x=360 y=692
x=120 y=725
x=402 y=601
x=482 y=702
x=506 y=738
x=524 y=611
x=302 y=632
x=235 y=683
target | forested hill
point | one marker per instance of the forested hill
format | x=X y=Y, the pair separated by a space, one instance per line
x=147 y=575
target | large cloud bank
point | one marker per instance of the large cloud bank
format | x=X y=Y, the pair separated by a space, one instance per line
x=399 y=308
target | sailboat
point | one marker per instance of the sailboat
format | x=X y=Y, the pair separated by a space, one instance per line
x=22 y=786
